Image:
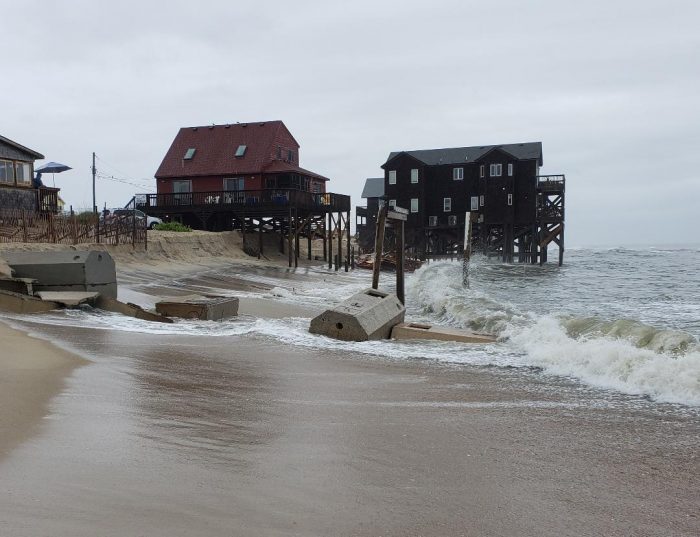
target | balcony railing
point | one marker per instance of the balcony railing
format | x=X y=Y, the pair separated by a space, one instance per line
x=240 y=199
x=551 y=183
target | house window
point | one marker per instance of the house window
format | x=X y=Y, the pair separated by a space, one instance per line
x=447 y=204
x=234 y=183
x=496 y=170
x=510 y=199
x=414 y=175
x=392 y=204
x=452 y=220
x=7 y=171
x=290 y=155
x=414 y=205
x=475 y=203
x=23 y=173
x=432 y=221
x=510 y=169
x=457 y=174
x=279 y=152
x=392 y=177
x=316 y=187
x=481 y=170
x=189 y=154
x=240 y=151
x=481 y=201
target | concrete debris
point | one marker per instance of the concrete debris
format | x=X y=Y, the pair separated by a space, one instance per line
x=438 y=333
x=368 y=315
x=132 y=310
x=92 y=271
x=20 y=303
x=69 y=299
x=199 y=307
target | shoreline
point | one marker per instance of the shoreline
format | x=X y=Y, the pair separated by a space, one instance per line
x=32 y=372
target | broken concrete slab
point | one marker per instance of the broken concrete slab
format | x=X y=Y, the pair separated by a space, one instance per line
x=438 y=333
x=368 y=315
x=199 y=307
x=5 y=269
x=23 y=286
x=21 y=303
x=66 y=270
x=69 y=299
x=132 y=310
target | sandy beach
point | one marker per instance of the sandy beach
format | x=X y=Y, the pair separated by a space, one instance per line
x=32 y=371
x=167 y=433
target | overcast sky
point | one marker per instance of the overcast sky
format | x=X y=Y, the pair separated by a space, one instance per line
x=611 y=88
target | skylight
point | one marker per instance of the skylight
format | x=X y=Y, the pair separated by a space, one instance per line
x=189 y=154
x=241 y=150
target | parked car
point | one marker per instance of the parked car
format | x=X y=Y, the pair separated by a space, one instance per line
x=151 y=221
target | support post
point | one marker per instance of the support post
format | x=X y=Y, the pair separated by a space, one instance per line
x=325 y=240
x=308 y=238
x=290 y=237
x=561 y=245
x=330 y=240
x=339 y=259
x=347 y=246
x=467 y=248
x=378 y=246
x=260 y=239
x=94 y=173
x=400 y=252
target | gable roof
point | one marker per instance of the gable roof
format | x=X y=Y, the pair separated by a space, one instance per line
x=460 y=155
x=19 y=147
x=215 y=147
x=374 y=187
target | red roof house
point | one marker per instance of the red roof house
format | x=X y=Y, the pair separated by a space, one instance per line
x=235 y=157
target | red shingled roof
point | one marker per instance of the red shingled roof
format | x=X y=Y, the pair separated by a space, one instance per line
x=215 y=147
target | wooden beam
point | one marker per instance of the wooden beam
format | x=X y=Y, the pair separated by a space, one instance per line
x=378 y=245
x=400 y=290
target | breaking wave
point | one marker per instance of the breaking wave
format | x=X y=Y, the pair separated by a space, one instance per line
x=625 y=355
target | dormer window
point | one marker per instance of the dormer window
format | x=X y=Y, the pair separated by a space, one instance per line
x=241 y=150
x=189 y=153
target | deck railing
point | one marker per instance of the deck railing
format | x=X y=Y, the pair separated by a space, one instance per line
x=551 y=183
x=240 y=199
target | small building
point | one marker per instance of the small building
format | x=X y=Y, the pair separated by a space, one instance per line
x=366 y=216
x=515 y=211
x=18 y=190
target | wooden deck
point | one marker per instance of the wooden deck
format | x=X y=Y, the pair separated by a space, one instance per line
x=265 y=202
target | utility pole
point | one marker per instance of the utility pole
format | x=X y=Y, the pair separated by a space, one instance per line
x=94 y=172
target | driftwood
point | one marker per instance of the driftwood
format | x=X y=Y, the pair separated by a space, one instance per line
x=389 y=262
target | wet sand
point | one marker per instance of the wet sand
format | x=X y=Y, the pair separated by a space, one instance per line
x=32 y=371
x=170 y=435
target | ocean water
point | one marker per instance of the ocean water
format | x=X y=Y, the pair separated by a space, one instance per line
x=622 y=320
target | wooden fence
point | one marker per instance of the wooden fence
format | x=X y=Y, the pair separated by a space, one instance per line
x=84 y=228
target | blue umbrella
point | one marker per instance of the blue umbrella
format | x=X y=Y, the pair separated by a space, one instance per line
x=49 y=167
x=53 y=167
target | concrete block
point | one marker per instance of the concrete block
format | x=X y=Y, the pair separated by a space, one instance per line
x=23 y=286
x=67 y=270
x=69 y=299
x=370 y=314
x=132 y=310
x=198 y=307
x=5 y=269
x=438 y=333
x=20 y=303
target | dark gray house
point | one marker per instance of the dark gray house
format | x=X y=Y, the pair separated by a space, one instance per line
x=515 y=211
x=17 y=188
x=366 y=217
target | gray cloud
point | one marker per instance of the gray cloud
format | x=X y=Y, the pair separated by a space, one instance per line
x=609 y=87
